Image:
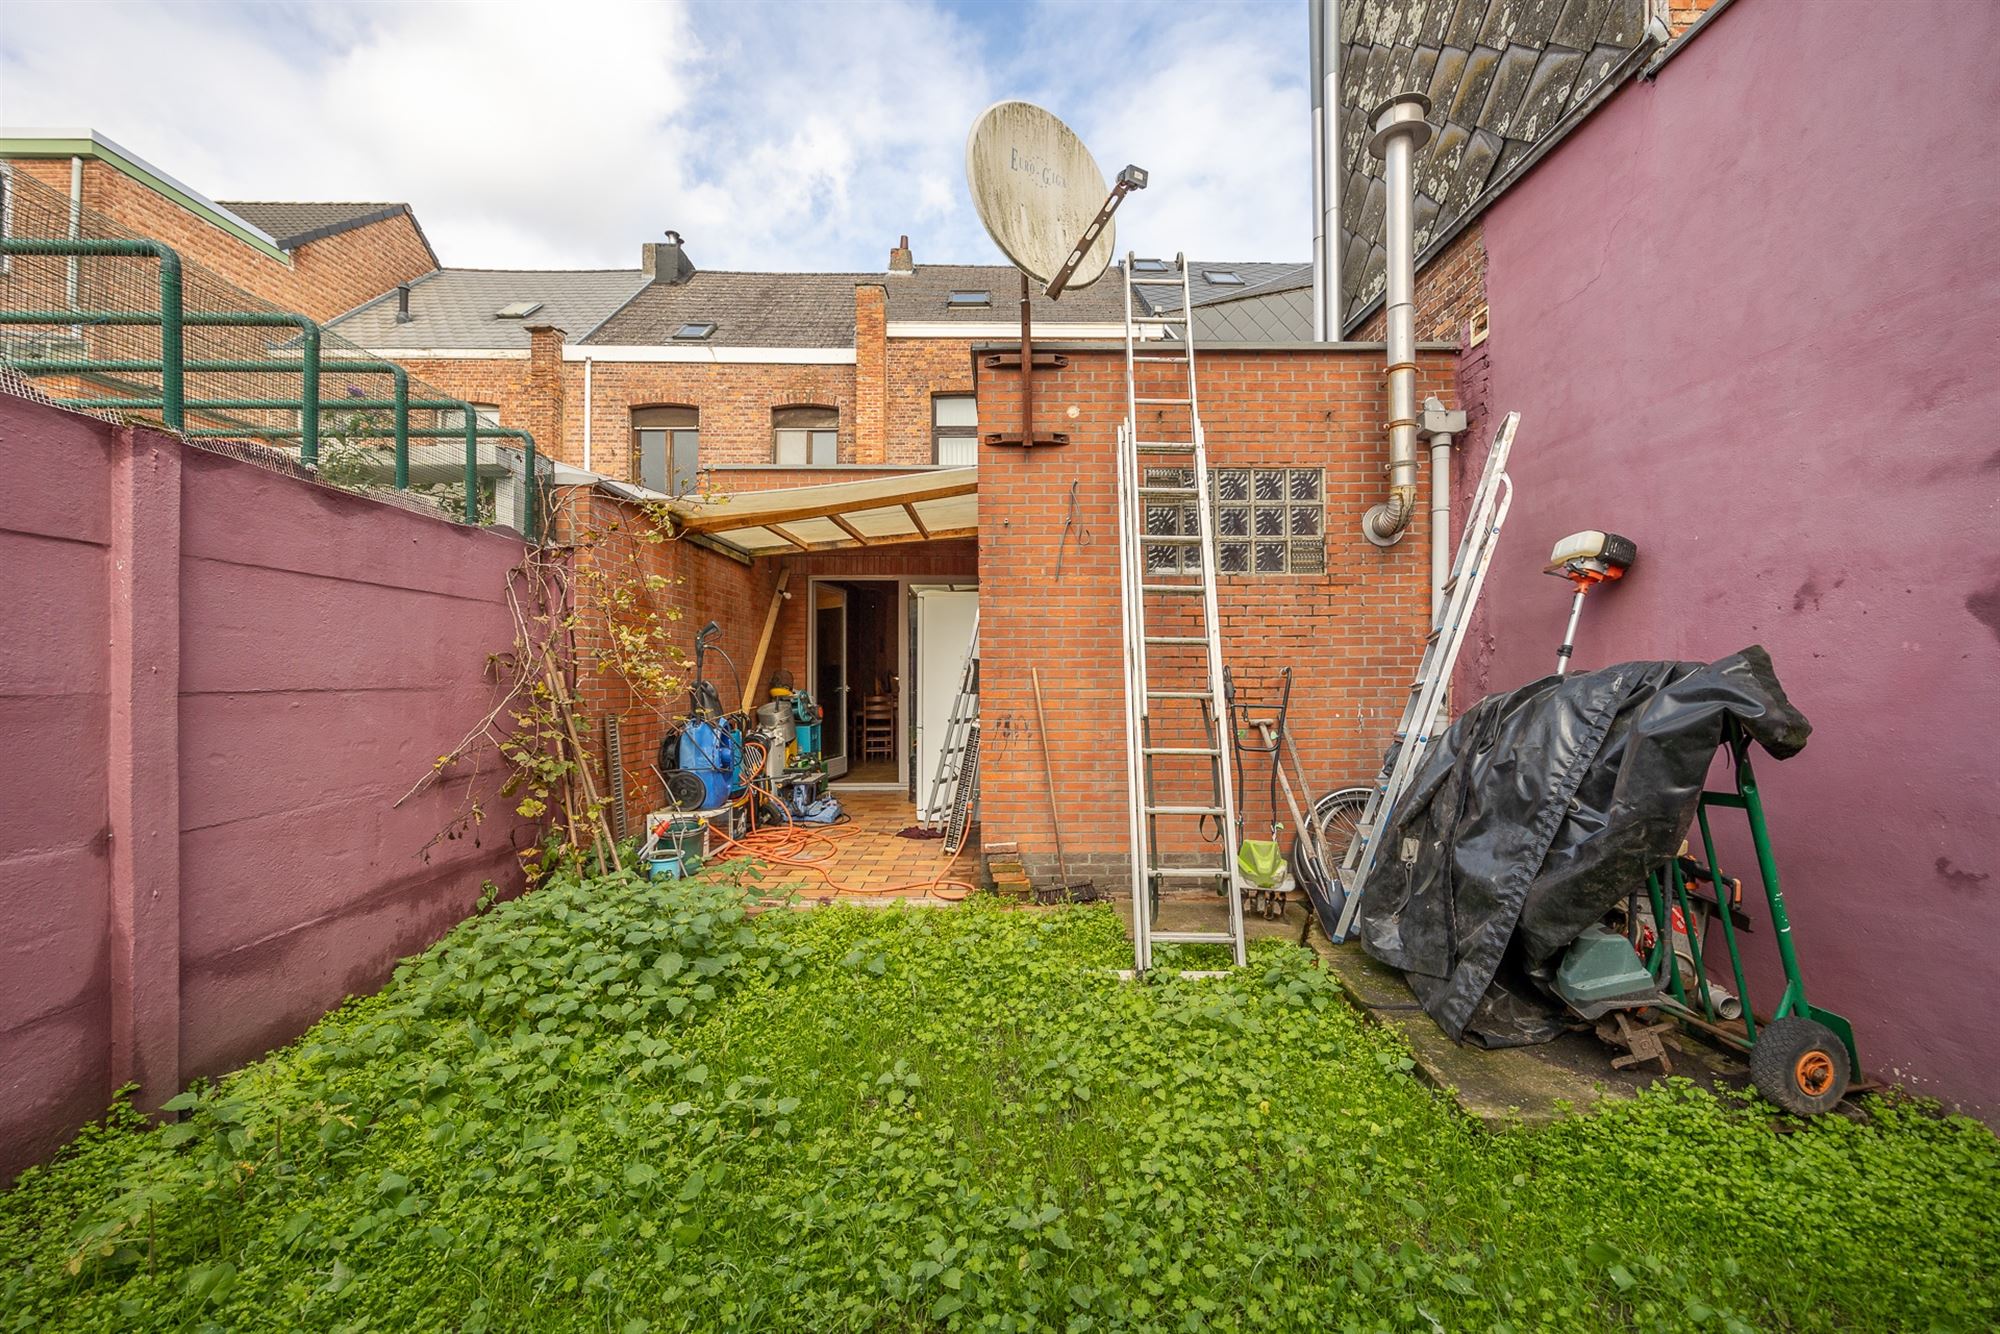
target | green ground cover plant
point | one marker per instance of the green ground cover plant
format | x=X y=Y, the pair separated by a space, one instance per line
x=620 y=1106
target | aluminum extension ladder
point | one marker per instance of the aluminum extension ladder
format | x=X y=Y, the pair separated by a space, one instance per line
x=961 y=741
x=1177 y=766
x=1419 y=725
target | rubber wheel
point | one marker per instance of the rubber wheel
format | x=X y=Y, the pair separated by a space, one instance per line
x=1800 y=1065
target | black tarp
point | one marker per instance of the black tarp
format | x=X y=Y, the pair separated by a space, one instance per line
x=1540 y=810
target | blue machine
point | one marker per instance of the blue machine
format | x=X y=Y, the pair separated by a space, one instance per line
x=713 y=752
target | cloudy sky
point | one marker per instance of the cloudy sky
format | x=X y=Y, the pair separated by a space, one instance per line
x=773 y=134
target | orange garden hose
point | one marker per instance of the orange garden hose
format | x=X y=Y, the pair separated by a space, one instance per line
x=810 y=847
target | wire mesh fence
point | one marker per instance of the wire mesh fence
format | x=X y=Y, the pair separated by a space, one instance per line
x=99 y=318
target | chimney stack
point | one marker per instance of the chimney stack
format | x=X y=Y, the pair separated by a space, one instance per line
x=666 y=261
x=900 y=259
x=402 y=303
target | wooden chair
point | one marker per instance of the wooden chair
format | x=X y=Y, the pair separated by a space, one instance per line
x=878 y=728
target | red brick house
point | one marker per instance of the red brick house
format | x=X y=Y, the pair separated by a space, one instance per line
x=318 y=259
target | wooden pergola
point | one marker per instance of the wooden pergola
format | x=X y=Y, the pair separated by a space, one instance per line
x=840 y=516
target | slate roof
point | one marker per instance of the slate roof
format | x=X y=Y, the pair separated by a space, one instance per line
x=292 y=225
x=920 y=296
x=1278 y=313
x=454 y=308
x=1502 y=76
x=1256 y=274
x=747 y=309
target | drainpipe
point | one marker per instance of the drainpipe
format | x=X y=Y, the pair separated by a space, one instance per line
x=1400 y=130
x=75 y=227
x=1324 y=21
x=586 y=414
x=1439 y=426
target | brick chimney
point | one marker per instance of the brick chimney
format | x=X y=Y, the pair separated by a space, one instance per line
x=544 y=386
x=666 y=261
x=900 y=259
x=871 y=373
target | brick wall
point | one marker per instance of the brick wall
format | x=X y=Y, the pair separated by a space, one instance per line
x=1451 y=290
x=1352 y=635
x=324 y=278
x=735 y=402
x=918 y=369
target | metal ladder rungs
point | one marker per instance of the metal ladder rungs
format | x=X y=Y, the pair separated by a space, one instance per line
x=1153 y=474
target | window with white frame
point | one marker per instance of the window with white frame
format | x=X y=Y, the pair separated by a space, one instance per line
x=955 y=430
x=666 y=449
x=488 y=414
x=1267 y=521
x=803 y=437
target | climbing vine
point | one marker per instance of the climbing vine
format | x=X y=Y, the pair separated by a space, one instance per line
x=582 y=603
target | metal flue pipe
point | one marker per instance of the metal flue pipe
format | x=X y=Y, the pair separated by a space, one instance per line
x=1324 y=23
x=1400 y=130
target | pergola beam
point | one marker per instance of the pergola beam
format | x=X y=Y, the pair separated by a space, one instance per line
x=885 y=540
x=860 y=538
x=745 y=515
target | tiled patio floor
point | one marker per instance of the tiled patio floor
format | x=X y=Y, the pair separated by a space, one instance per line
x=866 y=857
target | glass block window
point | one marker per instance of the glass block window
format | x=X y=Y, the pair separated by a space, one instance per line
x=1267 y=521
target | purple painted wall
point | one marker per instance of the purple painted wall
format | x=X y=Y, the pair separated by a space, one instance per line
x=1749 y=314
x=215 y=681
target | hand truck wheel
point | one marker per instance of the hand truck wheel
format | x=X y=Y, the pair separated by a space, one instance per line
x=1800 y=1065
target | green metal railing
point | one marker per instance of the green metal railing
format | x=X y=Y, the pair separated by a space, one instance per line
x=173 y=367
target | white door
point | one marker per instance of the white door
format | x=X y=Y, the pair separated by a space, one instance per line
x=945 y=619
x=829 y=673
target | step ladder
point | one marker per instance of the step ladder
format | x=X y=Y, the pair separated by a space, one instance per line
x=958 y=757
x=1178 y=781
x=1419 y=726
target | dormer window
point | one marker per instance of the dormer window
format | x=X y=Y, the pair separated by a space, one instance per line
x=694 y=332
x=518 y=310
x=968 y=300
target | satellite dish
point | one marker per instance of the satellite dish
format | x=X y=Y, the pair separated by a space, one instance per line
x=1037 y=188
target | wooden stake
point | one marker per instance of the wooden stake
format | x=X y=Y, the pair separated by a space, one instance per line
x=764 y=641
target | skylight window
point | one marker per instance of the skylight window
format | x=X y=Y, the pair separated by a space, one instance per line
x=518 y=310
x=1149 y=266
x=967 y=300
x=1223 y=277
x=696 y=330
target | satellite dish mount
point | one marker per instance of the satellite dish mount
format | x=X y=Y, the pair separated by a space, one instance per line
x=1036 y=189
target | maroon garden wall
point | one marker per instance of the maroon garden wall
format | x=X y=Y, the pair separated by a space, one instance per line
x=215 y=682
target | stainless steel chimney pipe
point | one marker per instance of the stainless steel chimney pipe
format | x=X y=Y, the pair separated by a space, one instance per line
x=1400 y=130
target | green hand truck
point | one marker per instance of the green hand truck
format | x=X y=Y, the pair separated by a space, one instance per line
x=1801 y=1057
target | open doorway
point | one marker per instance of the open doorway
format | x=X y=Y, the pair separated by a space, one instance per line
x=856 y=649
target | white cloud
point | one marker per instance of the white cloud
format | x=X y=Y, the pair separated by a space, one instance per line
x=774 y=136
